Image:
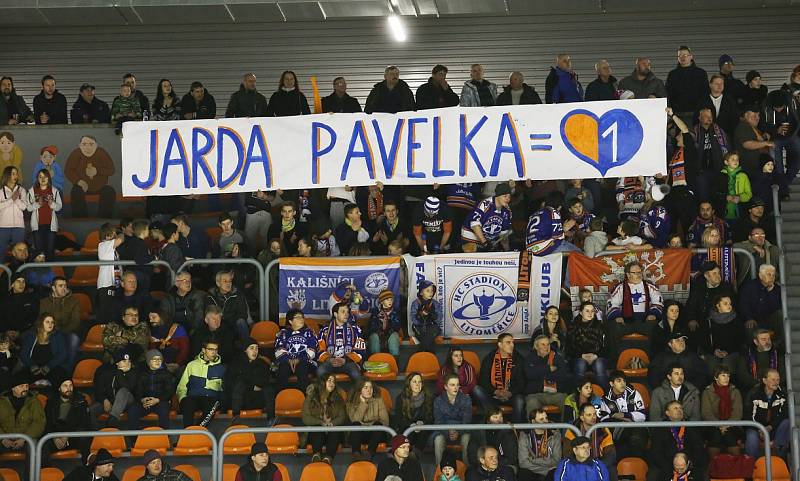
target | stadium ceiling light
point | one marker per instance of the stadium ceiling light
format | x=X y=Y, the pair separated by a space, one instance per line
x=397 y=28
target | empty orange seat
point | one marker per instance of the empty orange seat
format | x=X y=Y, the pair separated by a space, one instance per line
x=635 y=467
x=644 y=392
x=114 y=444
x=424 y=363
x=317 y=472
x=360 y=470
x=229 y=471
x=83 y=375
x=91 y=242
x=780 y=472
x=289 y=403
x=284 y=472
x=133 y=473
x=283 y=442
x=264 y=333
x=193 y=444
x=94 y=339
x=190 y=471
x=387 y=398
x=471 y=357
x=159 y=442
x=388 y=359
x=84 y=276
x=7 y=474
x=238 y=443
x=86 y=305
x=51 y=474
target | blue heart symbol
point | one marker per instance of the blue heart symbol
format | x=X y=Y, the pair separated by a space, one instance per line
x=605 y=142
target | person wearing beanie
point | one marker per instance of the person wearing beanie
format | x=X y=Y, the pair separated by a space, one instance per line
x=755 y=93
x=296 y=350
x=733 y=86
x=581 y=466
x=66 y=411
x=99 y=467
x=400 y=462
x=114 y=386
x=426 y=316
x=260 y=467
x=384 y=330
x=761 y=183
x=248 y=382
x=447 y=469
x=489 y=225
x=20 y=307
x=153 y=391
x=157 y=470
x=20 y=412
x=432 y=226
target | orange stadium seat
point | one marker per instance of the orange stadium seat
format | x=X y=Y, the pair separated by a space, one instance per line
x=86 y=305
x=7 y=474
x=84 y=276
x=94 y=339
x=424 y=363
x=238 y=443
x=189 y=470
x=388 y=359
x=51 y=474
x=83 y=375
x=635 y=467
x=90 y=243
x=360 y=470
x=625 y=358
x=193 y=444
x=133 y=473
x=644 y=392
x=317 y=472
x=284 y=472
x=264 y=333
x=159 y=442
x=472 y=358
x=114 y=444
x=286 y=443
x=289 y=403
x=229 y=471
x=780 y=472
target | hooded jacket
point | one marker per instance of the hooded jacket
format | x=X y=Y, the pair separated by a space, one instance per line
x=470 y=97
x=201 y=378
x=686 y=86
x=284 y=103
x=562 y=86
x=432 y=96
x=16 y=103
x=29 y=420
x=55 y=108
x=642 y=89
x=205 y=109
x=246 y=103
x=529 y=96
x=398 y=99
x=84 y=112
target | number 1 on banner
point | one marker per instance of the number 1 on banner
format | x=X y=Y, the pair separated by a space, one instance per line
x=612 y=130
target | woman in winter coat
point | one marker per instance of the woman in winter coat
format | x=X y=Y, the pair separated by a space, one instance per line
x=44 y=200
x=586 y=344
x=365 y=407
x=724 y=334
x=413 y=406
x=288 y=99
x=324 y=406
x=12 y=209
x=451 y=407
x=44 y=351
x=721 y=401
x=554 y=327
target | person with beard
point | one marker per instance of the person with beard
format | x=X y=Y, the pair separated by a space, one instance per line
x=707 y=217
x=152 y=390
x=19 y=309
x=66 y=411
x=436 y=92
x=643 y=82
x=99 y=467
x=288 y=99
x=88 y=168
x=247 y=101
x=517 y=92
x=170 y=338
x=249 y=384
x=21 y=413
x=686 y=85
x=604 y=87
x=504 y=440
x=13 y=109
x=198 y=103
x=539 y=450
x=128 y=333
x=339 y=101
x=392 y=95
x=89 y=109
x=155 y=469
x=50 y=105
x=756 y=358
x=144 y=103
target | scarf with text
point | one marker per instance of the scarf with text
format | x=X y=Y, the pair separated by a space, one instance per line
x=501 y=372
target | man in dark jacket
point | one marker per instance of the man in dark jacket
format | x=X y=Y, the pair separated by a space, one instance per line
x=183 y=304
x=702 y=293
x=144 y=103
x=155 y=469
x=668 y=441
x=760 y=302
x=546 y=376
x=129 y=295
x=517 y=92
x=66 y=411
x=712 y=143
x=339 y=101
x=502 y=377
x=686 y=85
x=114 y=386
x=754 y=217
x=247 y=101
x=489 y=467
x=759 y=356
x=604 y=87
x=13 y=109
x=248 y=382
x=260 y=467
x=722 y=105
x=226 y=338
x=400 y=463
x=392 y=95
x=153 y=390
x=50 y=106
x=562 y=85
x=198 y=103
x=99 y=467
x=89 y=109
x=733 y=86
x=232 y=303
x=676 y=353
x=436 y=92
x=767 y=405
x=643 y=82
x=504 y=440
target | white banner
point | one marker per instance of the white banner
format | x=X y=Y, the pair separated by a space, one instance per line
x=545 y=283
x=478 y=293
x=562 y=141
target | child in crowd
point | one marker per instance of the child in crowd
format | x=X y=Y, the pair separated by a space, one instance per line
x=126 y=107
x=628 y=238
x=426 y=313
x=597 y=240
x=734 y=187
x=108 y=277
x=384 y=329
x=576 y=190
x=448 y=468
x=47 y=160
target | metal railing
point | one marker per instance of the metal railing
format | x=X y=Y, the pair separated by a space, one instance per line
x=690 y=424
x=35 y=265
x=480 y=427
x=787 y=329
x=217 y=468
x=31 y=448
x=37 y=464
x=272 y=264
x=262 y=285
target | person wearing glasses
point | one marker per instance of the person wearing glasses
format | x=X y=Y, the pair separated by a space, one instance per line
x=200 y=387
x=634 y=306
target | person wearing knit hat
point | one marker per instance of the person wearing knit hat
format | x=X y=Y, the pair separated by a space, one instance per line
x=47 y=161
x=448 y=467
x=426 y=316
x=432 y=226
x=259 y=467
x=733 y=86
x=154 y=389
x=383 y=331
x=156 y=468
x=489 y=225
x=400 y=462
x=99 y=467
x=248 y=382
x=66 y=412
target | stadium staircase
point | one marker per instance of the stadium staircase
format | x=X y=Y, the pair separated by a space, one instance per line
x=790 y=210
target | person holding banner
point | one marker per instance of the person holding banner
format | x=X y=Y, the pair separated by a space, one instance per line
x=634 y=306
x=341 y=346
x=489 y=225
x=502 y=375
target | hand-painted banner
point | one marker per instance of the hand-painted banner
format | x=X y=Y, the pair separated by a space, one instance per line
x=478 y=293
x=308 y=283
x=561 y=141
x=545 y=283
x=669 y=269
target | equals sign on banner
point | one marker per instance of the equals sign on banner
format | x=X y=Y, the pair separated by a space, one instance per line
x=539 y=146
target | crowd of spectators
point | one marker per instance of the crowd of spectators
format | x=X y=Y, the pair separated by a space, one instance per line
x=718 y=357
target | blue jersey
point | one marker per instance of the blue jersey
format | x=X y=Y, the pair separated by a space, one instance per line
x=463 y=196
x=545 y=232
x=493 y=223
x=655 y=225
x=291 y=344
